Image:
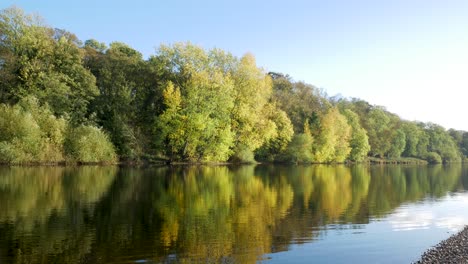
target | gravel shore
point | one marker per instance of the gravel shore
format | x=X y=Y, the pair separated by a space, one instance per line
x=452 y=250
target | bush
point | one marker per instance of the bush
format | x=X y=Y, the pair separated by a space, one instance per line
x=433 y=158
x=30 y=133
x=88 y=144
x=20 y=136
x=242 y=154
x=52 y=130
x=300 y=149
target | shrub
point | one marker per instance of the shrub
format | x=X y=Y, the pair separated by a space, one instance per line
x=52 y=130
x=242 y=154
x=300 y=149
x=88 y=144
x=433 y=158
x=20 y=136
x=29 y=132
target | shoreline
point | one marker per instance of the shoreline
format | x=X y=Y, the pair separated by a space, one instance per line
x=452 y=250
x=161 y=162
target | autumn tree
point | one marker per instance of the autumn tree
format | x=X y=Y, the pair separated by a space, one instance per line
x=256 y=120
x=332 y=141
x=196 y=124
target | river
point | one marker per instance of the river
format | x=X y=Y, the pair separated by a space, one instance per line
x=228 y=214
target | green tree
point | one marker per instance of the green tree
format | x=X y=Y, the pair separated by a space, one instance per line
x=359 y=141
x=255 y=120
x=275 y=148
x=379 y=129
x=197 y=125
x=44 y=63
x=442 y=143
x=225 y=109
x=332 y=141
x=117 y=70
x=461 y=139
x=299 y=100
x=300 y=148
x=413 y=133
x=398 y=143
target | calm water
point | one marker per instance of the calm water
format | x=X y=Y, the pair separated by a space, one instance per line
x=268 y=214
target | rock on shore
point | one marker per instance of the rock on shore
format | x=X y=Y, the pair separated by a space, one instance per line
x=452 y=250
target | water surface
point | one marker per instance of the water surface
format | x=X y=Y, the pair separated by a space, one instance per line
x=248 y=214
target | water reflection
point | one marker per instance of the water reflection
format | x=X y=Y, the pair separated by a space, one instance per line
x=44 y=211
x=204 y=214
x=405 y=220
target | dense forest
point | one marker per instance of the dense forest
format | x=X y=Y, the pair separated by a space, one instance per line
x=64 y=100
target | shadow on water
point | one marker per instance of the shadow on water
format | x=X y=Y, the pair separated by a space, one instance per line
x=207 y=214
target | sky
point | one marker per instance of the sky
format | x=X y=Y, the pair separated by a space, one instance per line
x=410 y=56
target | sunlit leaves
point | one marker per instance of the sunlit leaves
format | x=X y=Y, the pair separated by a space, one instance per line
x=332 y=142
x=196 y=124
x=40 y=64
x=30 y=133
x=217 y=106
x=186 y=103
x=359 y=141
x=89 y=144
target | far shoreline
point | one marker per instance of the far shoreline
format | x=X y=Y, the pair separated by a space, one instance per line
x=145 y=163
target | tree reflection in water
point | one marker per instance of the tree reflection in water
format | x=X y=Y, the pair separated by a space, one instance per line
x=196 y=213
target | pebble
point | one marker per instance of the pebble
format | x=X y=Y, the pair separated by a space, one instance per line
x=452 y=250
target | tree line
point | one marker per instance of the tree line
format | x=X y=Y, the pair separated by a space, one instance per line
x=67 y=100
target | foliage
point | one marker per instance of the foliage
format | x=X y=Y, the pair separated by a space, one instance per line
x=397 y=144
x=116 y=71
x=274 y=148
x=359 y=141
x=44 y=63
x=379 y=129
x=416 y=140
x=442 y=143
x=216 y=106
x=88 y=144
x=183 y=103
x=299 y=100
x=332 y=142
x=196 y=124
x=461 y=139
x=20 y=136
x=30 y=133
x=433 y=158
x=256 y=120
x=300 y=149
x=243 y=154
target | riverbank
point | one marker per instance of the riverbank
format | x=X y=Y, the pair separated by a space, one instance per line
x=402 y=160
x=452 y=250
x=151 y=161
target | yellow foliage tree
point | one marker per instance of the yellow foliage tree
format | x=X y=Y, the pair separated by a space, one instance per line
x=332 y=141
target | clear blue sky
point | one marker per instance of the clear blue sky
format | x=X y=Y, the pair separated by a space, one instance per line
x=410 y=56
